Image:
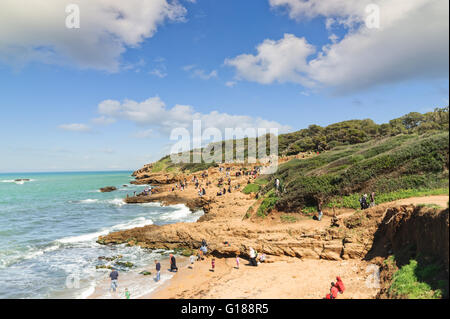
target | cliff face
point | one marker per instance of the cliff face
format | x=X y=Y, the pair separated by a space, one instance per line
x=364 y=235
x=424 y=231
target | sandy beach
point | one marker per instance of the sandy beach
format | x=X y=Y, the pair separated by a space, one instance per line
x=284 y=278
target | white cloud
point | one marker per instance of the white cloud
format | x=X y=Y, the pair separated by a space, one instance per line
x=276 y=61
x=35 y=30
x=159 y=73
x=154 y=113
x=299 y=9
x=75 y=127
x=103 y=120
x=161 y=69
x=230 y=84
x=200 y=73
x=412 y=42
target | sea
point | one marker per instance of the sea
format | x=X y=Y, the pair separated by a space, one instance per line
x=49 y=226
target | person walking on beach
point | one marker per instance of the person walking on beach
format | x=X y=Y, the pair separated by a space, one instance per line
x=173 y=264
x=213 y=264
x=114 y=275
x=127 y=294
x=158 y=271
x=237 y=261
x=192 y=260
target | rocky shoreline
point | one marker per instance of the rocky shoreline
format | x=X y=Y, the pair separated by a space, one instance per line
x=228 y=232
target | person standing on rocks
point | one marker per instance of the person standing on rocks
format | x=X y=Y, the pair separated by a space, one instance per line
x=114 y=275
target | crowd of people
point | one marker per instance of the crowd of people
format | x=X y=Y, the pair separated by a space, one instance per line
x=366 y=201
x=224 y=182
x=255 y=259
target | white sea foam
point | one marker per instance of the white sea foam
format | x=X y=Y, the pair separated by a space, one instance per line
x=15 y=181
x=29 y=254
x=88 y=201
x=114 y=201
x=182 y=213
x=84 y=294
x=137 y=222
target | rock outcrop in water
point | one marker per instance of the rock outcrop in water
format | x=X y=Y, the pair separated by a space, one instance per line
x=108 y=189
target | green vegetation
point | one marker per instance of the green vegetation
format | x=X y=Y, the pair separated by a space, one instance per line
x=394 y=167
x=267 y=204
x=416 y=281
x=184 y=251
x=251 y=188
x=332 y=137
x=261 y=181
x=317 y=138
x=351 y=201
x=288 y=218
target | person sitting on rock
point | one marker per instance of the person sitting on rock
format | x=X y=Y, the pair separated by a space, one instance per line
x=262 y=258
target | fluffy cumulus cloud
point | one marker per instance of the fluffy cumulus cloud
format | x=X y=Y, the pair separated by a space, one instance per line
x=153 y=113
x=283 y=60
x=36 y=30
x=411 y=42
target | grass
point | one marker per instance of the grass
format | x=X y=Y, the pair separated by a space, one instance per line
x=288 y=218
x=352 y=201
x=251 y=188
x=261 y=181
x=412 y=281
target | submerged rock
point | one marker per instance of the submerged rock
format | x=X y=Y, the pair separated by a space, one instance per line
x=107 y=189
x=126 y=264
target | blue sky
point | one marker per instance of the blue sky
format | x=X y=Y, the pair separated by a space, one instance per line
x=72 y=103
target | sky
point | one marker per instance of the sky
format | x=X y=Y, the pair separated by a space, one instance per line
x=107 y=95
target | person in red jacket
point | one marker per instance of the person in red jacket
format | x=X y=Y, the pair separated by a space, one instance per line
x=333 y=292
x=340 y=285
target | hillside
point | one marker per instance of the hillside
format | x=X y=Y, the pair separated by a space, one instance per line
x=317 y=139
x=382 y=165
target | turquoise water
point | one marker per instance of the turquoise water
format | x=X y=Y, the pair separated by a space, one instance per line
x=49 y=226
